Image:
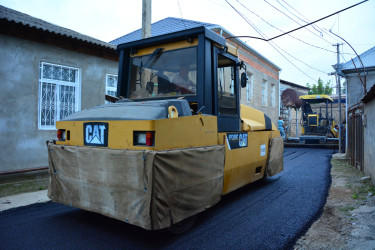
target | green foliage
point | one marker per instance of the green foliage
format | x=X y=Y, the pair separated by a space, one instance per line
x=327 y=88
x=343 y=88
x=320 y=88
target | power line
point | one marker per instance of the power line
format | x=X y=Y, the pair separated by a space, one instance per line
x=284 y=31
x=183 y=21
x=300 y=26
x=297 y=22
x=321 y=30
x=264 y=36
x=296 y=15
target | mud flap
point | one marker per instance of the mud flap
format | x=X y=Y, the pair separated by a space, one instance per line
x=275 y=162
x=150 y=189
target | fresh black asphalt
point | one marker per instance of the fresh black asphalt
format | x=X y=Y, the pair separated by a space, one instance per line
x=269 y=215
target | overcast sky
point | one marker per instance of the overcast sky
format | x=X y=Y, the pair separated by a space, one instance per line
x=303 y=58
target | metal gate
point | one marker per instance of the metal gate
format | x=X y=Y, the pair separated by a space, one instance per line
x=355 y=136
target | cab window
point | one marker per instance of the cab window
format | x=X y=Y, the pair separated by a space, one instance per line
x=226 y=86
x=164 y=73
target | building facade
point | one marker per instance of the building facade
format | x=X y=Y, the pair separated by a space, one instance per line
x=47 y=72
x=360 y=80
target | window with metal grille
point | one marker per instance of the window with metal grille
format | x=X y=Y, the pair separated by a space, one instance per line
x=59 y=96
x=111 y=85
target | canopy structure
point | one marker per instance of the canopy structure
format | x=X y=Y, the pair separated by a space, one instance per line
x=316 y=98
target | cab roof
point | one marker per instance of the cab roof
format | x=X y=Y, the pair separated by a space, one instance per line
x=316 y=98
x=173 y=37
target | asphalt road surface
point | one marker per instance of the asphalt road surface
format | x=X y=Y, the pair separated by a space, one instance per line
x=271 y=215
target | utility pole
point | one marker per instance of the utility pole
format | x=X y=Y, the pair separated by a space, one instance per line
x=146 y=18
x=338 y=84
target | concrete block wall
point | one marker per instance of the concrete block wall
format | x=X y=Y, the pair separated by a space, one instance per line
x=23 y=144
x=261 y=73
x=256 y=102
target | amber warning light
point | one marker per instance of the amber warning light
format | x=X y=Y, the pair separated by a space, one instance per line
x=61 y=134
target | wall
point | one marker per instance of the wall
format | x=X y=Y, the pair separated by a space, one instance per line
x=23 y=145
x=369 y=141
x=261 y=72
x=355 y=88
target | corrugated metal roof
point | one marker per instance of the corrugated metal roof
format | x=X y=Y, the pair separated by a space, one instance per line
x=368 y=59
x=162 y=27
x=172 y=24
x=21 y=18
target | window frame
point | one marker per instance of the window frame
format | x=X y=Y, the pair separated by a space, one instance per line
x=193 y=75
x=250 y=89
x=264 y=93
x=107 y=88
x=273 y=95
x=57 y=83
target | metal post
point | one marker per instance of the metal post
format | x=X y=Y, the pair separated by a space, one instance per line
x=297 y=122
x=339 y=89
x=289 y=122
x=146 y=18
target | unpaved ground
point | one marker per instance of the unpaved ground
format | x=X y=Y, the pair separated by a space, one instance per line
x=348 y=220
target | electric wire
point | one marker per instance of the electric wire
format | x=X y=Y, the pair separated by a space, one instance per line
x=313 y=26
x=312 y=45
x=271 y=43
x=308 y=20
x=296 y=21
x=183 y=21
x=355 y=66
x=264 y=36
x=303 y=26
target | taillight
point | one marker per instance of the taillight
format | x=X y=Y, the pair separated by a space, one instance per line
x=144 y=138
x=149 y=138
x=61 y=134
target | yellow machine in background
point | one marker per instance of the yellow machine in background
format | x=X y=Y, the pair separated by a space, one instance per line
x=176 y=140
x=318 y=125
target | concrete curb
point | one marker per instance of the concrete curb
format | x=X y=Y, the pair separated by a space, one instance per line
x=24 y=199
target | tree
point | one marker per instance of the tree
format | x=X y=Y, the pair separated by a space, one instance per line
x=310 y=91
x=314 y=89
x=343 y=89
x=328 y=88
x=319 y=88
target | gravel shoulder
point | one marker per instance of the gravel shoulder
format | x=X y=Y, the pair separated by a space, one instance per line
x=348 y=219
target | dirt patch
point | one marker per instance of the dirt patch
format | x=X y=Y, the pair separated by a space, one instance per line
x=348 y=219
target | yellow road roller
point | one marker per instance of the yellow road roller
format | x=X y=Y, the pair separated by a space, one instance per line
x=175 y=140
